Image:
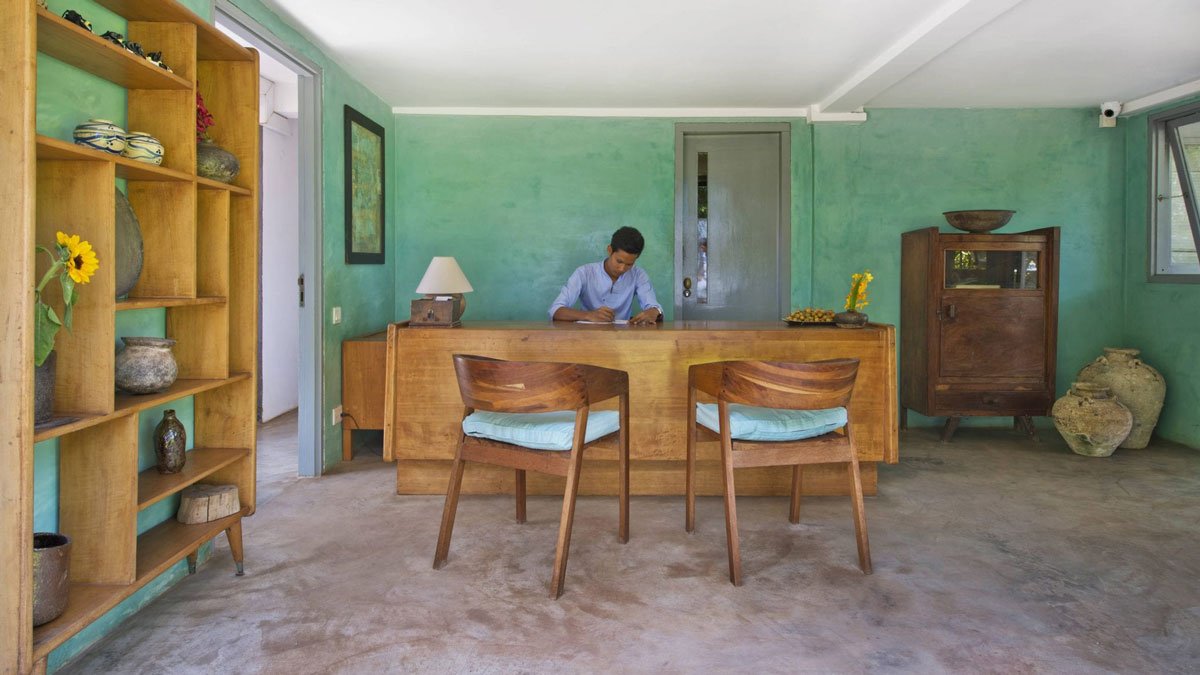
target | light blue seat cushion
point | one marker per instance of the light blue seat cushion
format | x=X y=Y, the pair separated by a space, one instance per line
x=748 y=423
x=539 y=431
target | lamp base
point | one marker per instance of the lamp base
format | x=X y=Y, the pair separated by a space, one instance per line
x=444 y=311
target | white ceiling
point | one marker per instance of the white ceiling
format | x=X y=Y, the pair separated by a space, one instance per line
x=833 y=56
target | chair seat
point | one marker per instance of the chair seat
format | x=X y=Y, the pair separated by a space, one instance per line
x=539 y=431
x=750 y=423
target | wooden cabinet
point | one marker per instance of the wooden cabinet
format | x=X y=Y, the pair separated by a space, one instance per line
x=978 y=324
x=201 y=271
x=363 y=377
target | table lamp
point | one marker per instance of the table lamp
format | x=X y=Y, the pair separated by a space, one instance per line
x=443 y=285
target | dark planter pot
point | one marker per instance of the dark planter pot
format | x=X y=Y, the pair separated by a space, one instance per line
x=130 y=254
x=850 y=319
x=170 y=443
x=51 y=567
x=43 y=390
x=215 y=162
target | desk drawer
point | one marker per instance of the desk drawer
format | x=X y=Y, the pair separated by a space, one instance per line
x=993 y=403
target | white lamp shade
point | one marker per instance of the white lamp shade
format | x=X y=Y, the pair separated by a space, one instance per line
x=444 y=276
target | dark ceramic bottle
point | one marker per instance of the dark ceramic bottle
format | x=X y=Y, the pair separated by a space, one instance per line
x=170 y=441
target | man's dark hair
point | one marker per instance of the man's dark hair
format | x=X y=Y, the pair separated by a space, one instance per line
x=628 y=239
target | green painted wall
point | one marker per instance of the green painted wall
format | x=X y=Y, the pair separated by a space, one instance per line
x=521 y=201
x=1169 y=345
x=67 y=96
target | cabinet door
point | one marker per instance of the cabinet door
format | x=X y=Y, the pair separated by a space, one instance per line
x=992 y=312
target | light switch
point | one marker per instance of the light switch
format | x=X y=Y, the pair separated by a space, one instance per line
x=337 y=315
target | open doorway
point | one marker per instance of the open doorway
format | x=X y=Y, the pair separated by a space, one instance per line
x=290 y=267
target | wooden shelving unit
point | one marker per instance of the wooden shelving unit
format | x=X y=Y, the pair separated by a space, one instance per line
x=201 y=249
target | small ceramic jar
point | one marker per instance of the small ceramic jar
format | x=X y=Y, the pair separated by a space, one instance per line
x=143 y=147
x=100 y=135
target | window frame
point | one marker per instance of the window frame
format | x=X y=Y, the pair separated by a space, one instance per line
x=1163 y=128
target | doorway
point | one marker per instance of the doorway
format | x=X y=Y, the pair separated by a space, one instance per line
x=290 y=378
x=732 y=222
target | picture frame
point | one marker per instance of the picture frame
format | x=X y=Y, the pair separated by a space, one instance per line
x=366 y=189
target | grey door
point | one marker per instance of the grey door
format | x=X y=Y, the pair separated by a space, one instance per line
x=733 y=258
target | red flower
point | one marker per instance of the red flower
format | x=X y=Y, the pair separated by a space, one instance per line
x=204 y=120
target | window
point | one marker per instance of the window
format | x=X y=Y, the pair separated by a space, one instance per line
x=1174 y=212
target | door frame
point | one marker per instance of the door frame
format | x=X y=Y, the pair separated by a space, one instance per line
x=783 y=262
x=311 y=380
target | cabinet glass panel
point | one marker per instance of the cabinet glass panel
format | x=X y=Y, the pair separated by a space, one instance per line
x=982 y=269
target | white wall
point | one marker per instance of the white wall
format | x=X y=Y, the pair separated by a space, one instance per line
x=280 y=267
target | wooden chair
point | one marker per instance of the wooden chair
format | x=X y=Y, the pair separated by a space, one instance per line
x=816 y=386
x=513 y=387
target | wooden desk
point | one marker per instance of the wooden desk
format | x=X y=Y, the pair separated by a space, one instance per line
x=363 y=360
x=423 y=410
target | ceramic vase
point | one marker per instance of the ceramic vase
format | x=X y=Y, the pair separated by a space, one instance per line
x=146 y=365
x=170 y=443
x=129 y=253
x=143 y=147
x=1136 y=385
x=1091 y=419
x=43 y=389
x=215 y=162
x=850 y=319
x=51 y=568
x=100 y=135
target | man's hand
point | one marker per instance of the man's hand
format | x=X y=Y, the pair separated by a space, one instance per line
x=600 y=314
x=646 y=316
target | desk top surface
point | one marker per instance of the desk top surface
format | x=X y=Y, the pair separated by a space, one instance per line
x=697 y=326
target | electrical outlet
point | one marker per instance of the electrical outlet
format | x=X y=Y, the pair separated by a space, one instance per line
x=335 y=417
x=337 y=315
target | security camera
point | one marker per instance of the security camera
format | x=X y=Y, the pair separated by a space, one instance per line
x=1110 y=109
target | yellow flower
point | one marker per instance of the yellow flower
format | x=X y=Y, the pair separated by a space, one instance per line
x=81 y=261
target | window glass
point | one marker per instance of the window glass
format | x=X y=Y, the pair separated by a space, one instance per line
x=1175 y=222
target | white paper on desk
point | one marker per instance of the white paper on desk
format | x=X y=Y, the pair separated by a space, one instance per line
x=619 y=322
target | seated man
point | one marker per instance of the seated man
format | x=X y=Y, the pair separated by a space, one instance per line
x=605 y=289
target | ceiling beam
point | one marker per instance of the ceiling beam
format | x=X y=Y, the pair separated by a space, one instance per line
x=1165 y=96
x=603 y=112
x=940 y=31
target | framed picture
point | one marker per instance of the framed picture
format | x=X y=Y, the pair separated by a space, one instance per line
x=365 y=189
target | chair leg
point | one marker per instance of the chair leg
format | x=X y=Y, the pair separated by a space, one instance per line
x=450 y=509
x=623 y=469
x=794 y=512
x=564 y=525
x=520 y=495
x=860 y=517
x=690 y=503
x=731 y=526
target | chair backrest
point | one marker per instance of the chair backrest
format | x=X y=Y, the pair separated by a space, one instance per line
x=519 y=386
x=795 y=386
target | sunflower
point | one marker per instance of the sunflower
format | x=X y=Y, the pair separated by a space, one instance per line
x=81 y=261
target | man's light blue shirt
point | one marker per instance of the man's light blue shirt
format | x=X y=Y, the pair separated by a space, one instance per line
x=593 y=288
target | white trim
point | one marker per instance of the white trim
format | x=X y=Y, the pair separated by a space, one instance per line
x=604 y=112
x=1158 y=98
x=942 y=30
x=817 y=116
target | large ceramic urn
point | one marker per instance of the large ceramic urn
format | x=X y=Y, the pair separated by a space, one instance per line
x=1135 y=384
x=1091 y=420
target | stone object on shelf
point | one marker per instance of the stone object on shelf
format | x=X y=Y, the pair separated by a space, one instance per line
x=130 y=253
x=77 y=19
x=51 y=571
x=99 y=134
x=170 y=444
x=115 y=38
x=146 y=365
x=202 y=503
x=215 y=162
x=1134 y=383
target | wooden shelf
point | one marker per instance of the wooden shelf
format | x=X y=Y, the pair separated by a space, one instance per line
x=130 y=169
x=211 y=43
x=154 y=303
x=71 y=44
x=158 y=549
x=201 y=462
x=128 y=404
x=210 y=184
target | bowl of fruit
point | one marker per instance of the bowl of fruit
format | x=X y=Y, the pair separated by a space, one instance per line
x=810 y=316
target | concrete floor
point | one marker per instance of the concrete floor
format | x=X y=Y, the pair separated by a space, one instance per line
x=992 y=554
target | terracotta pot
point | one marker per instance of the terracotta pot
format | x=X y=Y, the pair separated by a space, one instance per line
x=1091 y=420
x=51 y=568
x=215 y=162
x=146 y=365
x=170 y=443
x=1135 y=384
x=850 y=319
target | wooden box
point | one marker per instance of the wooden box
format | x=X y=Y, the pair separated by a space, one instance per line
x=436 y=312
